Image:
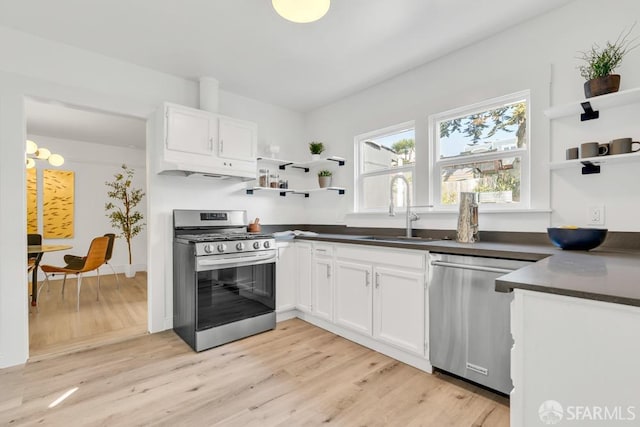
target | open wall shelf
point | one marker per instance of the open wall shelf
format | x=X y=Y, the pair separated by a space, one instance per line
x=592 y=164
x=305 y=166
x=589 y=108
x=284 y=191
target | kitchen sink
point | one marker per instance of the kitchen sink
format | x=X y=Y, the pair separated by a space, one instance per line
x=398 y=239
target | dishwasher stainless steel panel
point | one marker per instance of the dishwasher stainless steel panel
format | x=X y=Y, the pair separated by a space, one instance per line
x=469 y=327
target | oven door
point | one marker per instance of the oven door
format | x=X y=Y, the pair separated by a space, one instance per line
x=234 y=288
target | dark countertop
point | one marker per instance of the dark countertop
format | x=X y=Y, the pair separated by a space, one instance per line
x=602 y=275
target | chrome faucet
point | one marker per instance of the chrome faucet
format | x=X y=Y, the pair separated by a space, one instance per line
x=411 y=216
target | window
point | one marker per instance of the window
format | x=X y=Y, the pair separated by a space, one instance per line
x=381 y=155
x=482 y=148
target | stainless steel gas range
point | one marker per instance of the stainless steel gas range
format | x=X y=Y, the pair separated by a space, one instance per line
x=223 y=278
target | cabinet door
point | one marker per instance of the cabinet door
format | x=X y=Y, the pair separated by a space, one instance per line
x=353 y=296
x=285 y=278
x=190 y=130
x=399 y=307
x=303 y=276
x=322 y=288
x=237 y=139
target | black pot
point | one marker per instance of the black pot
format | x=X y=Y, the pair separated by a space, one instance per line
x=602 y=85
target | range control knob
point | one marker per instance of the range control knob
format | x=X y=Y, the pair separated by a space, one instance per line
x=267 y=244
x=240 y=246
x=222 y=247
x=256 y=245
x=208 y=248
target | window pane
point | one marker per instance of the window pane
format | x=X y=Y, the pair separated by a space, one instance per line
x=375 y=191
x=497 y=181
x=501 y=128
x=388 y=151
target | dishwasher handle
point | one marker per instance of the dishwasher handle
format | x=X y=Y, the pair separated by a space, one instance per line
x=472 y=267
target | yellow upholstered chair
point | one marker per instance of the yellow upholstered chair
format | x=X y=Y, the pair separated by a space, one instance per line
x=94 y=259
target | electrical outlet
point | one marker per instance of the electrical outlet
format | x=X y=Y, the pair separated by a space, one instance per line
x=595 y=215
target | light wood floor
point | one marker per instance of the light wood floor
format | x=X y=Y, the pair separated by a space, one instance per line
x=296 y=375
x=56 y=327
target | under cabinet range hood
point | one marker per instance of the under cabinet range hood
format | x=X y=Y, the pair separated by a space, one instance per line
x=201 y=142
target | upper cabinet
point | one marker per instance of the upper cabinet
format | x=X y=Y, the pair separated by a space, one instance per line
x=204 y=143
x=237 y=139
x=190 y=130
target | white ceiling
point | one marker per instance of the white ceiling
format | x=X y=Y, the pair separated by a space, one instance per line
x=251 y=50
x=255 y=53
x=69 y=123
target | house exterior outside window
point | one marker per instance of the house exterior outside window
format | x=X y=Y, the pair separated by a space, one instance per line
x=482 y=148
x=379 y=156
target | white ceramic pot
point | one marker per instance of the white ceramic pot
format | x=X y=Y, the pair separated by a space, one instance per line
x=324 y=181
x=315 y=157
x=129 y=271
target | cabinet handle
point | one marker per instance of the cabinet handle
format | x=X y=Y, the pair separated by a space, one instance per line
x=211 y=143
x=377 y=280
x=221 y=146
x=328 y=271
x=368 y=281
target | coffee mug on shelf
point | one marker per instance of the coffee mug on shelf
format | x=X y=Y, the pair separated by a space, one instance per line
x=622 y=146
x=593 y=149
x=572 y=153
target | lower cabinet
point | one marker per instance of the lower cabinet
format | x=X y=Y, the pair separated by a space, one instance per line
x=322 y=288
x=285 y=277
x=353 y=296
x=377 y=292
x=303 y=277
x=399 y=307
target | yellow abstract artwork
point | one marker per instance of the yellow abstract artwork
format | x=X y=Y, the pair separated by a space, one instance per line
x=57 y=206
x=32 y=201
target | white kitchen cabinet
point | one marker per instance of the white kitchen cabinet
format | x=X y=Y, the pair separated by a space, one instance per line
x=353 y=296
x=286 y=277
x=303 y=277
x=322 y=287
x=574 y=354
x=196 y=142
x=190 y=130
x=237 y=139
x=399 y=307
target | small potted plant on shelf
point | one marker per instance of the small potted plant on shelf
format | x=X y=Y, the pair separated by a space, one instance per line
x=122 y=213
x=316 y=148
x=601 y=62
x=324 y=178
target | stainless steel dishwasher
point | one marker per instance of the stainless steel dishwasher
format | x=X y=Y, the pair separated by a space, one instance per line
x=469 y=322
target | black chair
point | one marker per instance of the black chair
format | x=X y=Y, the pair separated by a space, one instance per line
x=76 y=262
x=33 y=258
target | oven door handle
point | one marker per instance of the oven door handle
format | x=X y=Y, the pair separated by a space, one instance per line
x=259 y=258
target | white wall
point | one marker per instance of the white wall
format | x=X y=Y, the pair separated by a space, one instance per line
x=31 y=66
x=93 y=165
x=539 y=55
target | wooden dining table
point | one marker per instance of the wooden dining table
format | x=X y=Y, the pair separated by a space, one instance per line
x=40 y=250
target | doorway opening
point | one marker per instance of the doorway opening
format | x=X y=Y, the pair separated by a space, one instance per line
x=95 y=145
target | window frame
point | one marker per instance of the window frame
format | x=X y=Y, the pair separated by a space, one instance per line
x=360 y=175
x=436 y=164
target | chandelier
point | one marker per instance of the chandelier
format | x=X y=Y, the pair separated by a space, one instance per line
x=301 y=11
x=34 y=152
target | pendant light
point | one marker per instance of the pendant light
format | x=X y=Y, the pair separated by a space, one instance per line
x=301 y=11
x=34 y=152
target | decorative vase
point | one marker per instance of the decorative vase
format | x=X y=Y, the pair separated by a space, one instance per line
x=315 y=157
x=602 y=85
x=468 y=218
x=129 y=271
x=324 y=181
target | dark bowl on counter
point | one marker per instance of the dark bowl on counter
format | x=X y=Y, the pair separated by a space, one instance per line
x=577 y=239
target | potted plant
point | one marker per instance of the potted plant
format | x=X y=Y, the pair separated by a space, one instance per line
x=316 y=148
x=324 y=178
x=122 y=213
x=601 y=62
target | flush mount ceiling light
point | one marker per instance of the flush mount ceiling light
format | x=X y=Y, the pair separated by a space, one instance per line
x=301 y=11
x=33 y=152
